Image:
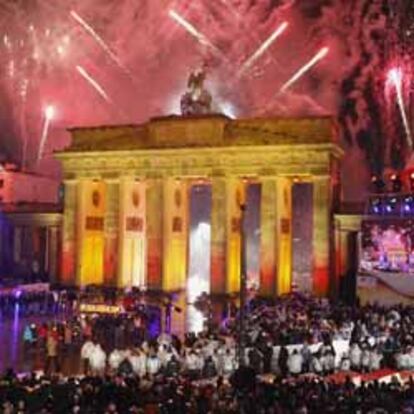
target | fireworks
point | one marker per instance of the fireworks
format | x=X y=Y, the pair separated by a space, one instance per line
x=82 y=71
x=395 y=78
x=195 y=33
x=263 y=47
x=319 y=56
x=52 y=50
x=49 y=114
x=100 y=41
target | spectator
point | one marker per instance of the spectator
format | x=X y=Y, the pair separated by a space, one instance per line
x=295 y=362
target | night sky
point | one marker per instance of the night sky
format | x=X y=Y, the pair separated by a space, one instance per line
x=123 y=61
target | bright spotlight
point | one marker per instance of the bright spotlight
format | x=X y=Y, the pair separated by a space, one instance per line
x=228 y=110
x=49 y=112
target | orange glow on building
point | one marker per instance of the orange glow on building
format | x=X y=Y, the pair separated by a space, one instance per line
x=130 y=227
x=175 y=234
x=91 y=232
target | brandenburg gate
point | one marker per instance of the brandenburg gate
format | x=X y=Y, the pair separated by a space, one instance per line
x=126 y=199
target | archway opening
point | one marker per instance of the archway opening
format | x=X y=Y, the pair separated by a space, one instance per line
x=252 y=228
x=198 y=280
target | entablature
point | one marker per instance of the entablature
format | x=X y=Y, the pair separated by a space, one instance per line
x=263 y=161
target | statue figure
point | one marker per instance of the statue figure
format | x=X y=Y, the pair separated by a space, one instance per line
x=197 y=100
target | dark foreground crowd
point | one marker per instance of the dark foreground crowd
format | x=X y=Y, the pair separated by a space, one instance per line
x=117 y=394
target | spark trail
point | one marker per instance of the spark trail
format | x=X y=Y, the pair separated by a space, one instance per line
x=195 y=33
x=305 y=68
x=98 y=39
x=49 y=114
x=82 y=71
x=263 y=47
x=395 y=77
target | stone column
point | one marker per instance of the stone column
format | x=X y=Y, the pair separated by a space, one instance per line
x=52 y=251
x=284 y=235
x=2 y=248
x=132 y=232
x=175 y=243
x=321 y=235
x=69 y=234
x=111 y=252
x=276 y=236
x=154 y=232
x=46 y=249
x=17 y=243
x=227 y=193
x=268 y=239
x=218 y=236
x=90 y=232
x=341 y=250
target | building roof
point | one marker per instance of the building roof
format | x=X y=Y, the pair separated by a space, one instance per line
x=204 y=131
x=30 y=208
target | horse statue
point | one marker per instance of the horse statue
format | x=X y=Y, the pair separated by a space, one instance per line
x=197 y=100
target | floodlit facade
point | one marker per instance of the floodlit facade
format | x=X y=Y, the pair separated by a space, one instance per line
x=126 y=200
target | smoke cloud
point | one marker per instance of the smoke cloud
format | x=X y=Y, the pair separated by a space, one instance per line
x=144 y=57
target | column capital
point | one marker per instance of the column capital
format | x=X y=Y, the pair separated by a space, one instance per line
x=69 y=181
x=112 y=180
x=320 y=177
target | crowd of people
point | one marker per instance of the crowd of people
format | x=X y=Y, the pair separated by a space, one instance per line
x=123 y=394
x=126 y=331
x=292 y=336
x=297 y=341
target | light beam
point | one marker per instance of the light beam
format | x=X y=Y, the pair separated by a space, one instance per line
x=195 y=33
x=263 y=47
x=395 y=77
x=82 y=71
x=319 y=56
x=49 y=113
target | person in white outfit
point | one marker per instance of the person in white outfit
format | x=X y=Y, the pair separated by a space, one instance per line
x=97 y=360
x=86 y=350
x=355 y=355
x=402 y=360
x=410 y=353
x=375 y=360
x=365 y=359
x=115 y=359
x=295 y=362
x=138 y=360
x=229 y=363
x=316 y=364
x=153 y=364
x=328 y=362
x=192 y=363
